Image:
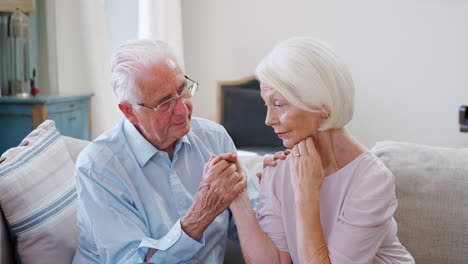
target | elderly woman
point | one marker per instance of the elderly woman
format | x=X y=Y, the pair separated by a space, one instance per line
x=330 y=200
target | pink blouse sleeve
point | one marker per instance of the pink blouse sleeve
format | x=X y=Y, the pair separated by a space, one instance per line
x=365 y=221
x=268 y=211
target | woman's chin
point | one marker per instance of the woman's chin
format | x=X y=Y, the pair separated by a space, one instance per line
x=288 y=144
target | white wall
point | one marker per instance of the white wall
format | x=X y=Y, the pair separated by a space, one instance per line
x=80 y=38
x=409 y=58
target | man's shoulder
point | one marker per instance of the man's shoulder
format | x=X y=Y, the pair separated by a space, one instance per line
x=104 y=147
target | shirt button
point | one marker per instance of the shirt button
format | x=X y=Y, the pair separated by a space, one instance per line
x=161 y=154
x=181 y=202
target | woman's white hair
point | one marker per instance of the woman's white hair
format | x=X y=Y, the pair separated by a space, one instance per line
x=309 y=74
x=132 y=58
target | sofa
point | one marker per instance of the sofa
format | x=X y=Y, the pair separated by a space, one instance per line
x=38 y=199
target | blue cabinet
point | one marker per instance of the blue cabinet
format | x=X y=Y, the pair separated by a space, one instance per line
x=19 y=116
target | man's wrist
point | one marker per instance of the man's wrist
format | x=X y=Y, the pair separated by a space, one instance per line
x=194 y=224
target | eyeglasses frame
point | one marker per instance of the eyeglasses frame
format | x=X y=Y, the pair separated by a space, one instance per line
x=192 y=90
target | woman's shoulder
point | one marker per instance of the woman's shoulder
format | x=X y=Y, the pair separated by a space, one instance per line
x=371 y=199
x=372 y=172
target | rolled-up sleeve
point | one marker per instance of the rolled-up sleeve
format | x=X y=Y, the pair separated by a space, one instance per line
x=175 y=246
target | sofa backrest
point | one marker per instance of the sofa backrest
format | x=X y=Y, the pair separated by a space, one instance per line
x=432 y=192
x=75 y=146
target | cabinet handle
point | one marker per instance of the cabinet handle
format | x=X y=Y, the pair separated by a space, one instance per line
x=71 y=105
x=72 y=118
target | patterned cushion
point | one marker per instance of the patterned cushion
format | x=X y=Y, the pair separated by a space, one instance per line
x=38 y=197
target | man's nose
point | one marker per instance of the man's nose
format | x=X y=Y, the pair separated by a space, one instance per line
x=180 y=107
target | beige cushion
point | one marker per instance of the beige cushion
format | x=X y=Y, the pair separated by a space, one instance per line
x=74 y=146
x=432 y=192
x=38 y=197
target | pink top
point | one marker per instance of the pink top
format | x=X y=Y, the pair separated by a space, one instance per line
x=357 y=204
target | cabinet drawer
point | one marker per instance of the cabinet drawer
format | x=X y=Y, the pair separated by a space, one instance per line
x=67 y=106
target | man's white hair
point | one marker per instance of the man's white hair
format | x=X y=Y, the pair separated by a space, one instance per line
x=132 y=58
x=309 y=74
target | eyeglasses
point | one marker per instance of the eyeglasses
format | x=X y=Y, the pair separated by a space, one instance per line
x=189 y=90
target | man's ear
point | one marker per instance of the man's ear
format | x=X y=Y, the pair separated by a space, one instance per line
x=127 y=110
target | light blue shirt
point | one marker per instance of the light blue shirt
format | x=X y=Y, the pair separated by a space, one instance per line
x=132 y=197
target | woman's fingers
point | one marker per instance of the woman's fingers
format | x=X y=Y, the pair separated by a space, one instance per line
x=302 y=149
x=269 y=161
x=309 y=144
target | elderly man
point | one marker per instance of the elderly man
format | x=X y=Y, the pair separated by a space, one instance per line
x=157 y=186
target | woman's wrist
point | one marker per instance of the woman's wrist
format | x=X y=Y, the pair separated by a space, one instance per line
x=306 y=197
x=240 y=202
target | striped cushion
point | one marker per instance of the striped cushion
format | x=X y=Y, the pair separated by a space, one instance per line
x=38 y=197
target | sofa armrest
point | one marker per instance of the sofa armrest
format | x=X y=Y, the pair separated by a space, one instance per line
x=6 y=251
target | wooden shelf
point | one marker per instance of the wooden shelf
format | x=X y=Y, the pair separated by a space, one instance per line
x=26 y=6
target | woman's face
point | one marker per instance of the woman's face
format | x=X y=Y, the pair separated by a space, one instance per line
x=290 y=123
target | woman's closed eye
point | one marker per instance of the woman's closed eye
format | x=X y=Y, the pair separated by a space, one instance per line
x=278 y=103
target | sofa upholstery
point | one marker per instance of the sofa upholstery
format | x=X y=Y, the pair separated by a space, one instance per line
x=431 y=186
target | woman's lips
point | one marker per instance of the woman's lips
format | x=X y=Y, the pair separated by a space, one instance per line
x=280 y=135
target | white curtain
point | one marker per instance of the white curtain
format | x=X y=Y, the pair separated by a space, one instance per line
x=162 y=20
x=78 y=45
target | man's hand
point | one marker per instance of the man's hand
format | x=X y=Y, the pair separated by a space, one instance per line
x=221 y=183
x=270 y=161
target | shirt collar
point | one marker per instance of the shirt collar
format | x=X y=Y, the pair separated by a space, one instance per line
x=142 y=149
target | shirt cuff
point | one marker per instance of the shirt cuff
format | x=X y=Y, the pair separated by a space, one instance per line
x=176 y=242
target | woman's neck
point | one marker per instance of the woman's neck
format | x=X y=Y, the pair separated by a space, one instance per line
x=337 y=148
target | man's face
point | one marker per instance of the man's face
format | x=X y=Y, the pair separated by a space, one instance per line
x=157 y=84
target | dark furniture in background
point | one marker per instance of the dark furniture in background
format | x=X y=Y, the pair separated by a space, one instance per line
x=463 y=118
x=242 y=111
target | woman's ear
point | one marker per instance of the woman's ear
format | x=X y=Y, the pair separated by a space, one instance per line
x=127 y=110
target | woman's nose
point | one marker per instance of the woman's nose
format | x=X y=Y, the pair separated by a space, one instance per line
x=270 y=118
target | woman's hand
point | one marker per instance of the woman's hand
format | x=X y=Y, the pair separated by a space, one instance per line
x=270 y=161
x=306 y=170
